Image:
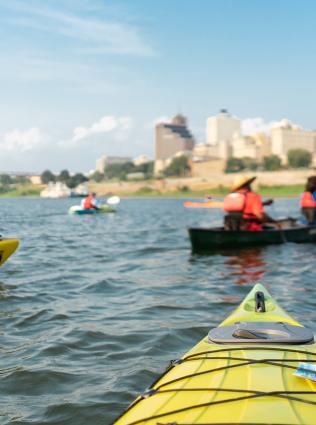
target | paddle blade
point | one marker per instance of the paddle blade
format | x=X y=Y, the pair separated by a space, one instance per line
x=209 y=204
x=113 y=200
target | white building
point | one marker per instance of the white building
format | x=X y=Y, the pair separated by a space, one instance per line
x=222 y=127
x=105 y=160
x=140 y=160
x=285 y=136
x=256 y=146
x=56 y=190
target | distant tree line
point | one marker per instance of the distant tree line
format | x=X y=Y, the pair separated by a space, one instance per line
x=8 y=182
x=121 y=171
x=64 y=176
x=297 y=158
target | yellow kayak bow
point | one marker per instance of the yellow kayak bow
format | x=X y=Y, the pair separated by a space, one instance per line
x=241 y=373
x=7 y=248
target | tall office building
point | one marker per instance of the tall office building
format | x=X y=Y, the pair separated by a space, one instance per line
x=171 y=138
x=222 y=127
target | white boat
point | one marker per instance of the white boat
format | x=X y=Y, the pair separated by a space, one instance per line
x=56 y=190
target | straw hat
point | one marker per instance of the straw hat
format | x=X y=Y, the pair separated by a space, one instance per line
x=241 y=181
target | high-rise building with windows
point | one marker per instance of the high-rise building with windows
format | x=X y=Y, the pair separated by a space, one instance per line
x=172 y=138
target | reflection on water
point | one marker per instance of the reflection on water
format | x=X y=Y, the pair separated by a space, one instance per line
x=246 y=267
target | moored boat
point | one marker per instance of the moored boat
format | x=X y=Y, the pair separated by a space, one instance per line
x=210 y=239
x=256 y=367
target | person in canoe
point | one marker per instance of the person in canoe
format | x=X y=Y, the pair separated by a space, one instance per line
x=90 y=202
x=244 y=207
x=308 y=201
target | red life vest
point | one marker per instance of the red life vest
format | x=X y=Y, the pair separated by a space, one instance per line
x=235 y=202
x=307 y=200
x=88 y=202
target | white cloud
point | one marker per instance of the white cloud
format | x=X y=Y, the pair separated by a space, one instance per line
x=107 y=124
x=93 y=35
x=256 y=125
x=22 y=141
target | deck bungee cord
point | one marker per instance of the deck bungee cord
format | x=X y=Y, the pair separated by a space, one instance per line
x=193 y=399
x=252 y=393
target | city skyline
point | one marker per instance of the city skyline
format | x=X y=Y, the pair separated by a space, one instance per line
x=82 y=80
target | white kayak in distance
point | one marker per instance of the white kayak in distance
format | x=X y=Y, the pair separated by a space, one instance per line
x=109 y=207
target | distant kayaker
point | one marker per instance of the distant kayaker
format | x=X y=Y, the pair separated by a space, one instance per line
x=90 y=202
x=308 y=202
x=244 y=207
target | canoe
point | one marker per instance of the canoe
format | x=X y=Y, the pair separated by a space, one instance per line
x=78 y=210
x=209 y=239
x=248 y=370
x=7 y=248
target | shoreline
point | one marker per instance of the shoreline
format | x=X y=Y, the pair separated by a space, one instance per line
x=279 y=191
x=285 y=183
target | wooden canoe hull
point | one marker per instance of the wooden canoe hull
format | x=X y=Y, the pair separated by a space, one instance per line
x=209 y=239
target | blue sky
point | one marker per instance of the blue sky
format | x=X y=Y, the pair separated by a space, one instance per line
x=84 y=78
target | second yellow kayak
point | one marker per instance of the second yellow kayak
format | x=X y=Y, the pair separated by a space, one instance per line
x=7 y=248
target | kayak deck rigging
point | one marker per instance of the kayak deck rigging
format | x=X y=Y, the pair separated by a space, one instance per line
x=254 y=380
x=289 y=395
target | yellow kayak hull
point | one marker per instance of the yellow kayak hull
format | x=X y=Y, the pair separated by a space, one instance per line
x=7 y=248
x=248 y=383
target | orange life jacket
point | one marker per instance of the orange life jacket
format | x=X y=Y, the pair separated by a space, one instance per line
x=235 y=202
x=88 y=202
x=242 y=203
x=307 y=200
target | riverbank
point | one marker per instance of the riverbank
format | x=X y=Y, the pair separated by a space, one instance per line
x=29 y=190
x=150 y=192
x=285 y=183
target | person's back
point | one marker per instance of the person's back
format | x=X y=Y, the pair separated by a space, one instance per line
x=244 y=207
x=89 y=202
x=307 y=201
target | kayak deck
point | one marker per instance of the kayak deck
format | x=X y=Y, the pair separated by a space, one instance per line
x=208 y=239
x=233 y=383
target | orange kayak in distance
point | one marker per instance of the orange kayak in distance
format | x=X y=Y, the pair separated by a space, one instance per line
x=206 y=204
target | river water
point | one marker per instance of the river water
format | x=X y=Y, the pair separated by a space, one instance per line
x=92 y=309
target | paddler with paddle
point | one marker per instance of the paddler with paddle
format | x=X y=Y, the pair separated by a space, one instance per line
x=244 y=207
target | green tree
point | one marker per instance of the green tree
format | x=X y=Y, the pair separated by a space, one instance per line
x=249 y=163
x=271 y=163
x=75 y=180
x=119 y=171
x=21 y=180
x=234 y=165
x=5 y=179
x=63 y=176
x=299 y=158
x=147 y=169
x=178 y=167
x=47 y=176
x=97 y=176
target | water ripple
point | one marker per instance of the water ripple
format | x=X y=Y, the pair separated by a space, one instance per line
x=92 y=309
